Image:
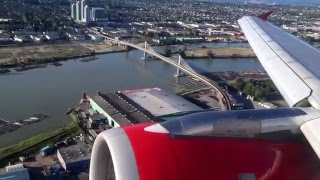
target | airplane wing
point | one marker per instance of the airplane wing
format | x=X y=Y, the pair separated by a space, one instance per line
x=311 y=131
x=292 y=64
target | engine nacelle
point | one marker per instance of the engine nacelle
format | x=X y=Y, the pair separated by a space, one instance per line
x=208 y=145
x=113 y=157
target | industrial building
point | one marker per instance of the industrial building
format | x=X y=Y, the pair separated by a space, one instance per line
x=86 y=14
x=78 y=12
x=160 y=102
x=81 y=12
x=46 y=151
x=98 y=14
x=73 y=10
x=82 y=8
x=190 y=39
x=15 y=172
x=139 y=106
x=118 y=111
x=96 y=120
x=94 y=37
x=74 y=157
x=116 y=3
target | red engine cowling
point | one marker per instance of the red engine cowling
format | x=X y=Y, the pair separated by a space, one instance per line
x=152 y=152
x=132 y=153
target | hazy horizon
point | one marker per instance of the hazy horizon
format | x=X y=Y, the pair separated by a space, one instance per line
x=276 y=2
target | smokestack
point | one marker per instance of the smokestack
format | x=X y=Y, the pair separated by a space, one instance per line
x=84 y=97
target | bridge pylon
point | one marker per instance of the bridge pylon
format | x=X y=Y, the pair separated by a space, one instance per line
x=179 y=73
x=145 y=56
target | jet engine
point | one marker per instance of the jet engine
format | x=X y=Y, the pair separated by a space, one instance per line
x=246 y=145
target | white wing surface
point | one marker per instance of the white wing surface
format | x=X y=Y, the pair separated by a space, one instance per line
x=311 y=131
x=293 y=65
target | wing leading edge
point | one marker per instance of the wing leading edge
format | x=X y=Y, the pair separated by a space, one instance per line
x=291 y=63
x=293 y=66
x=311 y=131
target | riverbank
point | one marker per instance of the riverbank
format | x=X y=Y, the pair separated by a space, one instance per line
x=33 y=144
x=48 y=53
x=221 y=52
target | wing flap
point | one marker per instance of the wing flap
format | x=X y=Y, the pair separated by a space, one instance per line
x=282 y=67
x=311 y=131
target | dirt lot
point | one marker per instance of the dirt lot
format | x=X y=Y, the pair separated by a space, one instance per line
x=225 y=52
x=41 y=161
x=101 y=47
x=38 y=161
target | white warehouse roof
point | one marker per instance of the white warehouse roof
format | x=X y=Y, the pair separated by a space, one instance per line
x=160 y=102
x=14 y=167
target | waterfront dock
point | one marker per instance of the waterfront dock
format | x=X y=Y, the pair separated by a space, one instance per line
x=9 y=126
x=3 y=121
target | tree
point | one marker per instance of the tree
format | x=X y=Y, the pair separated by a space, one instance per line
x=182 y=54
x=270 y=87
x=184 y=48
x=238 y=84
x=167 y=52
x=24 y=19
x=310 y=39
x=195 y=32
x=151 y=34
x=210 y=54
x=12 y=35
x=248 y=80
x=248 y=89
x=259 y=93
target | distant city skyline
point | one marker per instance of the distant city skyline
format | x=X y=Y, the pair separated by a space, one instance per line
x=275 y=2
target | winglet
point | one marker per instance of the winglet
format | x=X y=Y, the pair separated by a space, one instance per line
x=264 y=16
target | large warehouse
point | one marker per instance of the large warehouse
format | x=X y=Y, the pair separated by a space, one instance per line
x=139 y=106
x=160 y=102
x=75 y=157
x=15 y=172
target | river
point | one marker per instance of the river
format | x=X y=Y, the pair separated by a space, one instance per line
x=54 y=89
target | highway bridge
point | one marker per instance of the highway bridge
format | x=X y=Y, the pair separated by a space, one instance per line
x=221 y=94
